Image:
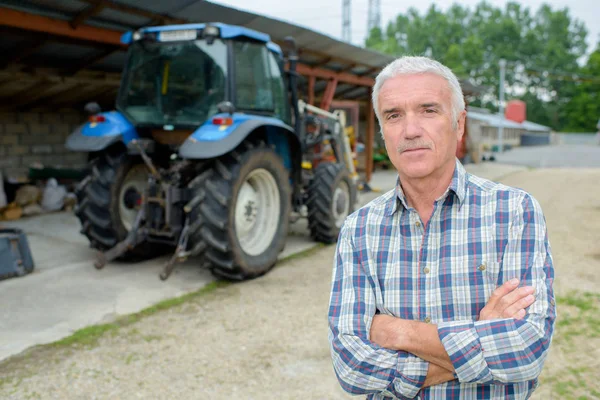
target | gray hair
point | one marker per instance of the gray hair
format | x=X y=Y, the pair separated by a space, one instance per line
x=419 y=65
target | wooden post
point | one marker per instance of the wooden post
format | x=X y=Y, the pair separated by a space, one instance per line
x=311 y=90
x=329 y=93
x=370 y=139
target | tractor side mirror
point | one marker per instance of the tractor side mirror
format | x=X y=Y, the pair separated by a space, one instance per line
x=92 y=108
x=290 y=47
x=226 y=107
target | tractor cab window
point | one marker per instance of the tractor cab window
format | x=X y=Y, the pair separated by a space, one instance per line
x=282 y=108
x=258 y=81
x=177 y=83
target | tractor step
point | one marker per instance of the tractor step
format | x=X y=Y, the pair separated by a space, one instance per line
x=134 y=238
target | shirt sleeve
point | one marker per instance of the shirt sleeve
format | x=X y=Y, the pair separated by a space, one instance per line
x=509 y=350
x=362 y=367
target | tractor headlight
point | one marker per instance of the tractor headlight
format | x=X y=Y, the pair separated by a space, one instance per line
x=210 y=30
x=137 y=36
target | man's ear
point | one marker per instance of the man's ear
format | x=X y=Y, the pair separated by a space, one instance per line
x=462 y=118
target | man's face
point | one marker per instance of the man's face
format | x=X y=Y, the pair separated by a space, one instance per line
x=416 y=119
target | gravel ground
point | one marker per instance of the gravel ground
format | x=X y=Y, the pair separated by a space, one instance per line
x=563 y=155
x=267 y=338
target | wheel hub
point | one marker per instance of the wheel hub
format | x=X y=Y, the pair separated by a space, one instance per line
x=132 y=199
x=340 y=206
x=340 y=201
x=257 y=212
x=131 y=194
x=246 y=209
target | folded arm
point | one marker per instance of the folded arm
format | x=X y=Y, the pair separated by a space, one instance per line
x=362 y=366
x=507 y=350
x=501 y=347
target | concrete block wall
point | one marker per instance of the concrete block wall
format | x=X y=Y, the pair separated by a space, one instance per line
x=37 y=137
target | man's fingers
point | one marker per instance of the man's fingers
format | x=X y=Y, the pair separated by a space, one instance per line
x=502 y=291
x=519 y=306
x=513 y=297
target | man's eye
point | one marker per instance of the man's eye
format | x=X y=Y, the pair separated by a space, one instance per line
x=392 y=116
x=430 y=110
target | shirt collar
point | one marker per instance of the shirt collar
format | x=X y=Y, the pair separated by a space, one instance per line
x=458 y=186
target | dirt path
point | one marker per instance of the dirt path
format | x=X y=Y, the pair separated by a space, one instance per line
x=268 y=338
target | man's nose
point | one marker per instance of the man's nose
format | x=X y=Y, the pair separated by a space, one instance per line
x=412 y=127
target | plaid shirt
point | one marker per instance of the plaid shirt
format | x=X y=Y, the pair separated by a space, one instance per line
x=481 y=234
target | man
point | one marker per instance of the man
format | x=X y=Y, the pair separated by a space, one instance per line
x=442 y=288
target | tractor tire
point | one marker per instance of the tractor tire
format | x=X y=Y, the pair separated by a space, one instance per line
x=331 y=198
x=99 y=210
x=241 y=210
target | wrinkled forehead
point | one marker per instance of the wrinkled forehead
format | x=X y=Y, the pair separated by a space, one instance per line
x=415 y=89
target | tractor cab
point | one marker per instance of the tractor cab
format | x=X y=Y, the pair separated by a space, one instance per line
x=211 y=152
x=177 y=78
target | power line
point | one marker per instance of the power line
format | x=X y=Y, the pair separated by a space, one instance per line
x=374 y=20
x=346 y=21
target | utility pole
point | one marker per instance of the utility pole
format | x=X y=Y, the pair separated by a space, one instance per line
x=501 y=105
x=346 y=21
x=374 y=20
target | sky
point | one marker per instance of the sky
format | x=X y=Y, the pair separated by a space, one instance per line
x=325 y=16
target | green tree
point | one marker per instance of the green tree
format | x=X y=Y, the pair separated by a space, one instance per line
x=583 y=110
x=472 y=42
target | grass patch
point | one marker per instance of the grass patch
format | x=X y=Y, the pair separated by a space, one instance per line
x=303 y=253
x=578 y=315
x=87 y=337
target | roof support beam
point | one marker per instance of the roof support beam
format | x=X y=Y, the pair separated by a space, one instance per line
x=323 y=62
x=329 y=93
x=41 y=90
x=87 y=93
x=328 y=74
x=347 y=68
x=46 y=97
x=346 y=91
x=137 y=11
x=370 y=71
x=37 y=23
x=22 y=52
x=91 y=61
x=311 y=90
x=22 y=20
x=93 y=9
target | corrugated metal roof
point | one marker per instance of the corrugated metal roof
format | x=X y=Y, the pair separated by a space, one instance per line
x=71 y=55
x=496 y=120
x=310 y=42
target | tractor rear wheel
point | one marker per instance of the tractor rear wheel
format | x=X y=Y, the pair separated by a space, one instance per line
x=108 y=202
x=331 y=198
x=243 y=217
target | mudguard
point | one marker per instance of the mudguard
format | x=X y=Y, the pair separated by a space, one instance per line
x=95 y=136
x=212 y=140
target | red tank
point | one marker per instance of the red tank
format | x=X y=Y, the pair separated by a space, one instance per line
x=516 y=110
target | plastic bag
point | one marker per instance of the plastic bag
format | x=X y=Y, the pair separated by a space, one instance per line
x=54 y=196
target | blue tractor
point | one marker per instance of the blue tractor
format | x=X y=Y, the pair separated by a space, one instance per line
x=210 y=154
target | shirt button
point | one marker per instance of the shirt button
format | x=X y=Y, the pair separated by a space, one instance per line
x=482 y=267
x=427 y=320
x=418 y=224
x=426 y=270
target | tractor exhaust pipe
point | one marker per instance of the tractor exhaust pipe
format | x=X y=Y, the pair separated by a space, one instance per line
x=291 y=53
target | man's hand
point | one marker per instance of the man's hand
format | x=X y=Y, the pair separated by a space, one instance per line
x=437 y=375
x=508 y=301
x=384 y=331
